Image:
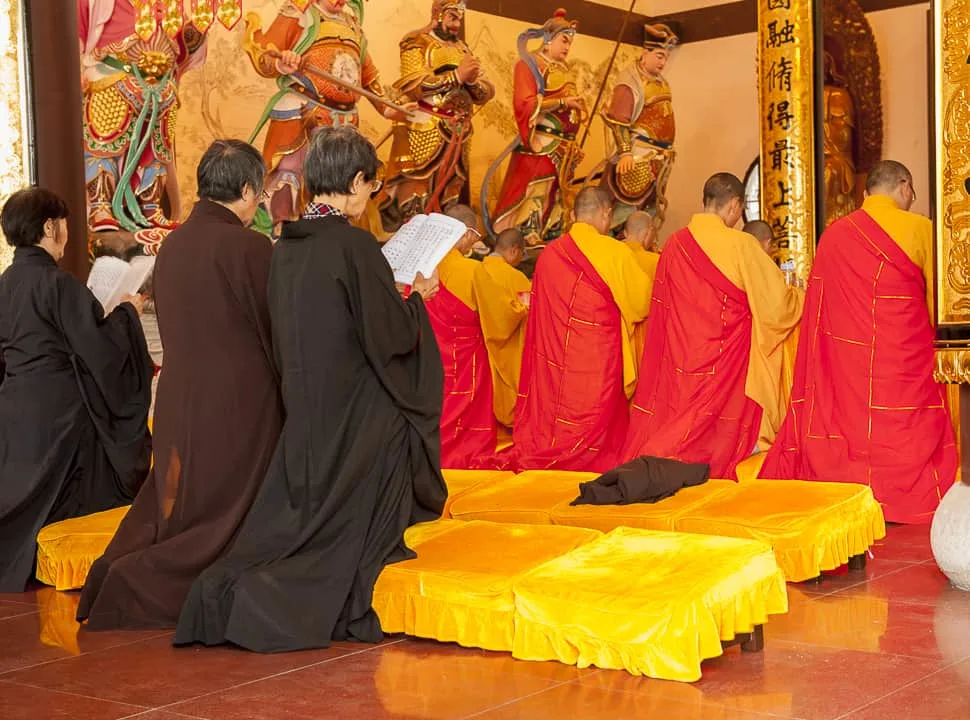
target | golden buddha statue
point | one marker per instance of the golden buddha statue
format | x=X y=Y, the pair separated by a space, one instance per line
x=839 y=129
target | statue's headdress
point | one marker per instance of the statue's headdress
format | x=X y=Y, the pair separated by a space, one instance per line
x=557 y=25
x=440 y=7
x=659 y=37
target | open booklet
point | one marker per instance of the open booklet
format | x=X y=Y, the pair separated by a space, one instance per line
x=421 y=244
x=112 y=278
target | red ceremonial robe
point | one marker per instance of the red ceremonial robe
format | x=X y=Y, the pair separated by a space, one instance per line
x=690 y=403
x=864 y=406
x=572 y=412
x=468 y=425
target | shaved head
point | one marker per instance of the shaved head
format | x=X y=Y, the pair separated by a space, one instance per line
x=894 y=180
x=510 y=239
x=720 y=189
x=594 y=206
x=639 y=228
x=762 y=233
x=466 y=216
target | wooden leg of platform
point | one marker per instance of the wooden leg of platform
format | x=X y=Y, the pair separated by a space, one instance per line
x=857 y=562
x=755 y=641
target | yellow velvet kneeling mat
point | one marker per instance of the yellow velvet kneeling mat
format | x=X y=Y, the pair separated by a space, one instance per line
x=67 y=549
x=661 y=515
x=460 y=482
x=459 y=588
x=812 y=526
x=651 y=603
x=526 y=498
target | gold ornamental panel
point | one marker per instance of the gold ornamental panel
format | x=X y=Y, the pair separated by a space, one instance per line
x=785 y=90
x=14 y=168
x=952 y=29
x=952 y=366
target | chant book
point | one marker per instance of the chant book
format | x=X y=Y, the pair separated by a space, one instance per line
x=112 y=278
x=421 y=244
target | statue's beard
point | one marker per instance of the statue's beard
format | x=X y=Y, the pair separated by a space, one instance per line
x=445 y=35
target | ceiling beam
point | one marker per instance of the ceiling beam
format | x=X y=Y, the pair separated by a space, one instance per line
x=604 y=21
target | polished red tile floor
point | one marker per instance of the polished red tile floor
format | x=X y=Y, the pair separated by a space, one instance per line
x=891 y=643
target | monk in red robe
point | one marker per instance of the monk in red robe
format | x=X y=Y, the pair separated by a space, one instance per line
x=468 y=426
x=865 y=407
x=712 y=361
x=578 y=368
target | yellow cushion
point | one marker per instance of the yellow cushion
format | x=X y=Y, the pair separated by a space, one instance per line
x=812 y=526
x=459 y=588
x=67 y=549
x=526 y=498
x=662 y=515
x=652 y=603
x=460 y=482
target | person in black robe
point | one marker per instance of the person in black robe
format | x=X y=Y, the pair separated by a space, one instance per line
x=218 y=411
x=359 y=458
x=74 y=403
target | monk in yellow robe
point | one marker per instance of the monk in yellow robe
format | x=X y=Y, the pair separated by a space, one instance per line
x=766 y=238
x=468 y=426
x=503 y=298
x=712 y=361
x=641 y=237
x=578 y=367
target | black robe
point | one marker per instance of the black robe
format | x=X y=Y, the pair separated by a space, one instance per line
x=218 y=416
x=73 y=406
x=358 y=461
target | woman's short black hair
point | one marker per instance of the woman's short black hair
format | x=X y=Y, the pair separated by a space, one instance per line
x=227 y=168
x=25 y=212
x=335 y=157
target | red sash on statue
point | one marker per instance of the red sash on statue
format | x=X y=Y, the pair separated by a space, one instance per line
x=865 y=407
x=468 y=425
x=572 y=412
x=690 y=403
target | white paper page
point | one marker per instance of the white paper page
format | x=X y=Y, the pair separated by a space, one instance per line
x=421 y=244
x=105 y=277
x=112 y=278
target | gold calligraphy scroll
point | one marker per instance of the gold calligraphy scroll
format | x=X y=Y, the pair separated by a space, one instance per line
x=952 y=29
x=786 y=87
x=14 y=168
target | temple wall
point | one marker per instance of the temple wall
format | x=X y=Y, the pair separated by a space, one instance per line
x=713 y=83
x=901 y=36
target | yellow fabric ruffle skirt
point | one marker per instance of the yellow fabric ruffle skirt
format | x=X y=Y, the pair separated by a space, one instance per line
x=67 y=549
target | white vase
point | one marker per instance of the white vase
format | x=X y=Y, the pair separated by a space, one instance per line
x=950 y=535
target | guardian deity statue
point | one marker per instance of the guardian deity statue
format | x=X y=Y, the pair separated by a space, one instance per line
x=548 y=112
x=640 y=118
x=319 y=58
x=132 y=57
x=428 y=166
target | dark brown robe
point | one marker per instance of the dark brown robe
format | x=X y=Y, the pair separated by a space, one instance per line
x=218 y=417
x=358 y=462
x=73 y=406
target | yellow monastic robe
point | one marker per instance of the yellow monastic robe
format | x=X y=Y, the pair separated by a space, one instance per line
x=457 y=273
x=629 y=285
x=497 y=288
x=776 y=311
x=648 y=261
x=912 y=232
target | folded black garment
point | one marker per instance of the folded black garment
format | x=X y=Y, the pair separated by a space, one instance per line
x=644 y=480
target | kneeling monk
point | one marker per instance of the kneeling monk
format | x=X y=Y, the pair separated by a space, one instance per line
x=503 y=296
x=578 y=368
x=358 y=460
x=468 y=426
x=709 y=379
x=865 y=407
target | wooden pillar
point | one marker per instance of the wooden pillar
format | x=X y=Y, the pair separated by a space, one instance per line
x=786 y=89
x=55 y=76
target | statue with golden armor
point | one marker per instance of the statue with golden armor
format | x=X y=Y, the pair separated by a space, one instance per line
x=317 y=51
x=133 y=53
x=548 y=112
x=428 y=166
x=640 y=118
x=838 y=136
